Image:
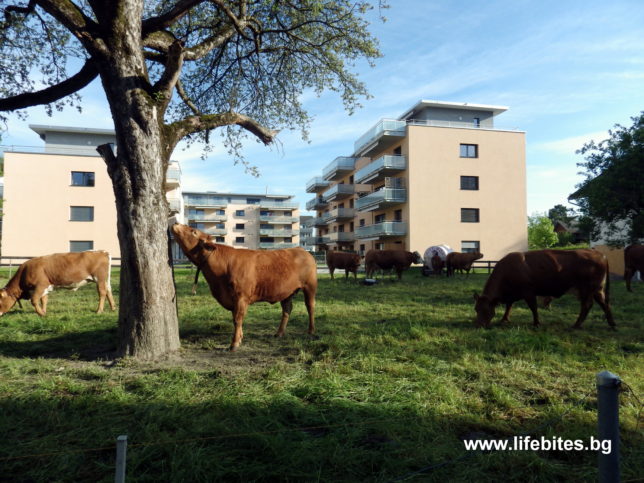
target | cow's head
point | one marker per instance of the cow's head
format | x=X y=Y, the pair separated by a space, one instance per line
x=484 y=310
x=193 y=242
x=477 y=255
x=6 y=301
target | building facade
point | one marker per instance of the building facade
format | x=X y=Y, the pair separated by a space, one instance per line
x=245 y=220
x=59 y=198
x=441 y=173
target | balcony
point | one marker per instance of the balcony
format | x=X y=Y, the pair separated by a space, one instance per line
x=276 y=245
x=216 y=231
x=380 y=168
x=316 y=185
x=341 y=236
x=383 y=198
x=206 y=217
x=382 y=230
x=338 y=168
x=385 y=133
x=339 y=214
x=278 y=233
x=279 y=205
x=172 y=177
x=339 y=192
x=194 y=201
x=278 y=220
x=317 y=203
x=175 y=205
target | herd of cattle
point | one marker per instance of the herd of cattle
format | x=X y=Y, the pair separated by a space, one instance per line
x=238 y=278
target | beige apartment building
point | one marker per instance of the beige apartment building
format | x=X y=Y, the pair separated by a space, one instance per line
x=59 y=198
x=441 y=173
x=245 y=220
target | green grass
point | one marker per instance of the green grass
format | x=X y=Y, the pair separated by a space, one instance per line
x=397 y=377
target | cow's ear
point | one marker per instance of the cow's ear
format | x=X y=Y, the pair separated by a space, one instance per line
x=476 y=297
x=3 y=294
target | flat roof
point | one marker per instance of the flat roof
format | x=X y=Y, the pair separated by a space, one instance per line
x=41 y=129
x=496 y=110
x=219 y=193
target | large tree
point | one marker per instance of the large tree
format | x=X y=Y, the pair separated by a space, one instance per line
x=176 y=69
x=612 y=195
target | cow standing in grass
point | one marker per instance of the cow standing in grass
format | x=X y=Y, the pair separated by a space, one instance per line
x=461 y=261
x=546 y=273
x=633 y=262
x=350 y=262
x=239 y=278
x=398 y=260
x=39 y=276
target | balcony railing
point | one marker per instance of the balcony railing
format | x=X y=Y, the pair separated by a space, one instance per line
x=280 y=205
x=173 y=177
x=206 y=217
x=276 y=245
x=338 y=214
x=210 y=203
x=341 y=236
x=278 y=220
x=339 y=167
x=339 y=192
x=216 y=231
x=381 y=199
x=316 y=203
x=316 y=185
x=380 y=168
x=384 y=229
x=384 y=127
x=174 y=205
x=278 y=233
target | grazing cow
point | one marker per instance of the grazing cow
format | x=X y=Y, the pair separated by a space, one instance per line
x=399 y=260
x=547 y=273
x=633 y=262
x=461 y=261
x=37 y=277
x=437 y=264
x=350 y=262
x=239 y=278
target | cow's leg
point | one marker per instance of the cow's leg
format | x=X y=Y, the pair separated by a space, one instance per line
x=532 y=304
x=309 y=300
x=287 y=306
x=239 y=313
x=600 y=298
x=38 y=294
x=628 y=275
x=399 y=271
x=43 y=301
x=194 y=284
x=331 y=270
x=110 y=298
x=102 y=293
x=586 y=304
x=346 y=274
x=506 y=315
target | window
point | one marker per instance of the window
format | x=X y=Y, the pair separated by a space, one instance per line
x=470 y=215
x=195 y=213
x=265 y=213
x=80 y=245
x=379 y=218
x=82 y=178
x=266 y=239
x=470 y=246
x=477 y=122
x=239 y=226
x=220 y=226
x=239 y=239
x=219 y=239
x=265 y=226
x=81 y=213
x=240 y=213
x=398 y=151
x=221 y=212
x=362 y=222
x=469 y=182
x=288 y=213
x=398 y=215
x=252 y=201
x=469 y=150
x=198 y=226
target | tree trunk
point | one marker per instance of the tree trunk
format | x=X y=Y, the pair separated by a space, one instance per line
x=148 y=322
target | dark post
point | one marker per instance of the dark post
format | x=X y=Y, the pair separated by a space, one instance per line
x=608 y=385
x=121 y=451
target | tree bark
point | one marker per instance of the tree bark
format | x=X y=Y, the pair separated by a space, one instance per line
x=148 y=322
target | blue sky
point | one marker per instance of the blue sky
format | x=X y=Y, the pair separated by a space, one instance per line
x=567 y=70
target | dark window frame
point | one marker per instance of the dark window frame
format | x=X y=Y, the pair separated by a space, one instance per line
x=466 y=218
x=469 y=150
x=71 y=247
x=467 y=185
x=91 y=179
x=81 y=220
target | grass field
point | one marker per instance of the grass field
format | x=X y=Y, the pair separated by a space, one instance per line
x=395 y=382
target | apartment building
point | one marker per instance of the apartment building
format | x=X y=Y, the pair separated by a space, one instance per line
x=245 y=220
x=441 y=173
x=59 y=197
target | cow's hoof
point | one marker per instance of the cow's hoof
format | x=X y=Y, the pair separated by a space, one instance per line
x=233 y=348
x=314 y=337
x=278 y=334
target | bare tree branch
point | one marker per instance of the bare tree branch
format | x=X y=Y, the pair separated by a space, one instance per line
x=167 y=19
x=86 y=75
x=174 y=62
x=186 y=99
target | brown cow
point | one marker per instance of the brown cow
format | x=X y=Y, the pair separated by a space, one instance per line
x=437 y=264
x=633 y=262
x=239 y=277
x=399 y=260
x=37 y=277
x=350 y=262
x=547 y=273
x=460 y=261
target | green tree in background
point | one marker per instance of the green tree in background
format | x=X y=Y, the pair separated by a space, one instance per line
x=612 y=195
x=541 y=232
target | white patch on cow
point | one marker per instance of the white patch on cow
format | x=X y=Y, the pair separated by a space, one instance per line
x=48 y=290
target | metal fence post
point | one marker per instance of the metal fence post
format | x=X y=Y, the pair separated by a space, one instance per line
x=121 y=452
x=608 y=385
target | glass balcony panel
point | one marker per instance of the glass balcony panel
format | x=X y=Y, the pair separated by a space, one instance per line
x=384 y=229
x=316 y=185
x=216 y=231
x=339 y=214
x=278 y=233
x=276 y=245
x=341 y=236
x=384 y=127
x=339 y=167
x=382 y=198
x=339 y=191
x=282 y=205
x=278 y=220
x=316 y=203
x=381 y=167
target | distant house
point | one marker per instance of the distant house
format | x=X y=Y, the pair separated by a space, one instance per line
x=571 y=227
